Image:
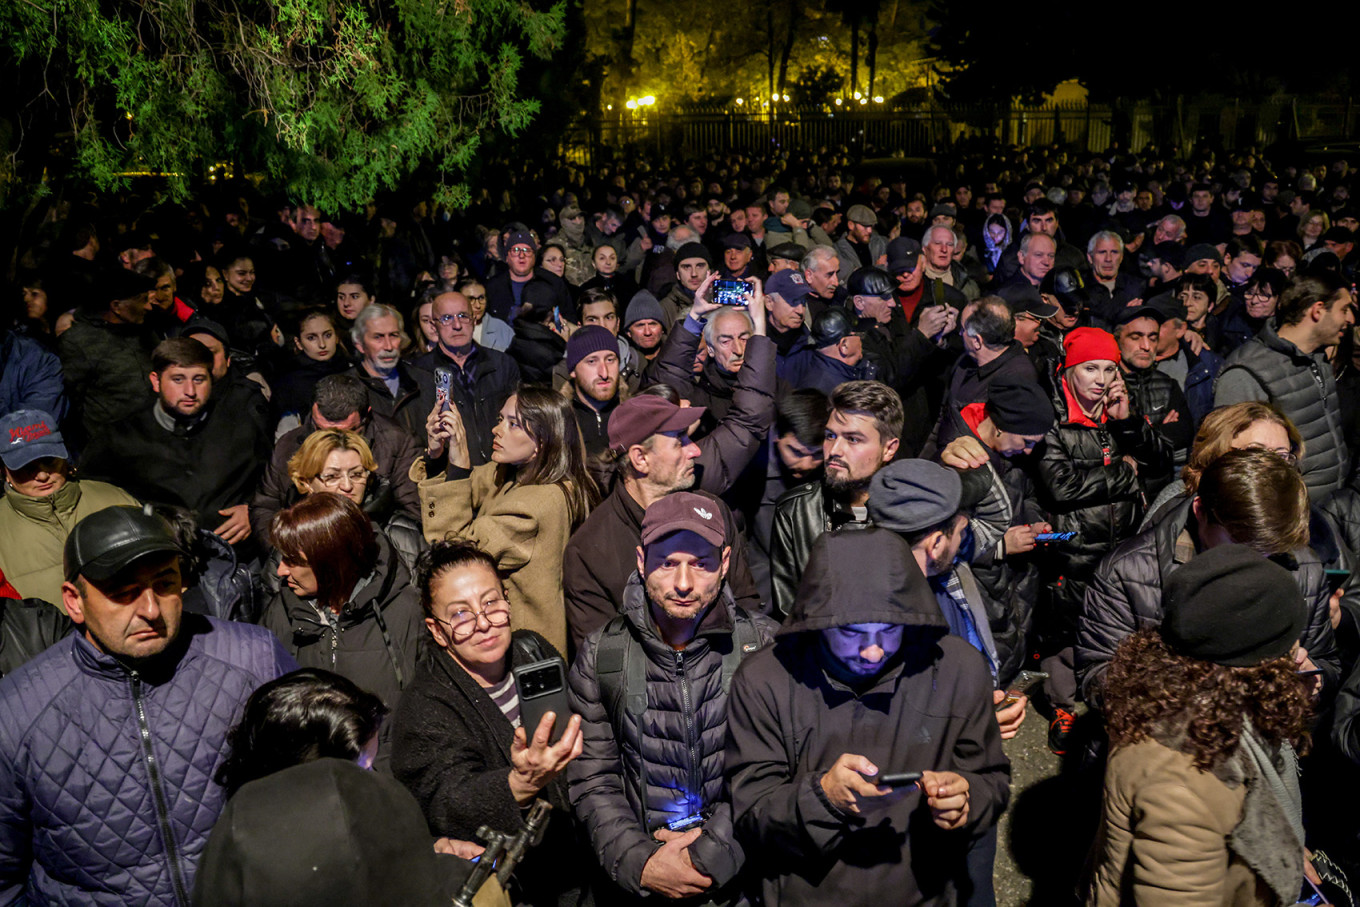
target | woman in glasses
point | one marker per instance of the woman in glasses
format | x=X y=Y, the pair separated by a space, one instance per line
x=521 y=507
x=341 y=462
x=458 y=743
x=347 y=604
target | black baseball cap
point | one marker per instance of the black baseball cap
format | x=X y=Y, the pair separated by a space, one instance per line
x=107 y=542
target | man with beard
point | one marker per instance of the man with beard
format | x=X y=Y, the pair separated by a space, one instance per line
x=593 y=367
x=862 y=435
x=650 y=456
x=645 y=777
x=861 y=246
x=577 y=249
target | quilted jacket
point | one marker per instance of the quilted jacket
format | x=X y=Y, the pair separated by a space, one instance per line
x=106 y=790
x=677 y=752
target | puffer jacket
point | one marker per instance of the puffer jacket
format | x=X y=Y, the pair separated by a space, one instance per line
x=1304 y=387
x=1199 y=380
x=1125 y=596
x=33 y=533
x=92 y=752
x=1086 y=487
x=678 y=750
x=379 y=638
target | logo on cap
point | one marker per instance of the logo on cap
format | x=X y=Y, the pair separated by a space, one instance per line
x=703 y=514
x=795 y=277
x=29 y=433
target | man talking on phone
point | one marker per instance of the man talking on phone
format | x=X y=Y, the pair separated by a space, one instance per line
x=651 y=690
x=864 y=682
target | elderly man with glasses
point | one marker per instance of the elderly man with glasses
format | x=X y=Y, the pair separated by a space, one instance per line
x=482 y=378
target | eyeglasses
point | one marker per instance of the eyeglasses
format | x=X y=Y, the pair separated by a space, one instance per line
x=333 y=479
x=1283 y=453
x=450 y=319
x=470 y=298
x=463 y=622
x=1258 y=294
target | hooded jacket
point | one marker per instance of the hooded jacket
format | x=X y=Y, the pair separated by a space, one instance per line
x=677 y=748
x=33 y=533
x=106 y=795
x=378 y=640
x=790 y=718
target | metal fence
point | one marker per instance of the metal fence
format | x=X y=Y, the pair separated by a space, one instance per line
x=932 y=128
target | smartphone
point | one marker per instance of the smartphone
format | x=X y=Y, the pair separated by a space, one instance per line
x=1055 y=536
x=557 y=318
x=897 y=779
x=686 y=823
x=1023 y=683
x=542 y=688
x=443 y=381
x=1336 y=579
x=732 y=292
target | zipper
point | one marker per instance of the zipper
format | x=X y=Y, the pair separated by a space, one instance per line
x=158 y=794
x=686 y=701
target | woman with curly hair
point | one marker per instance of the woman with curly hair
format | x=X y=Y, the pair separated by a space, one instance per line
x=1206 y=715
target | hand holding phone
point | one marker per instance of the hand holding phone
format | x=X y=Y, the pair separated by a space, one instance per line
x=1022 y=685
x=732 y=292
x=1049 y=537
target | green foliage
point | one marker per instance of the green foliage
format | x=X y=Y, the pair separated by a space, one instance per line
x=332 y=101
x=816 y=86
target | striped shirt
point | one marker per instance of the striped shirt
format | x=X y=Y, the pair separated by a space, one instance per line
x=506 y=697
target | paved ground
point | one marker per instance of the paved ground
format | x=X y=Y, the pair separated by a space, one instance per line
x=1045 y=834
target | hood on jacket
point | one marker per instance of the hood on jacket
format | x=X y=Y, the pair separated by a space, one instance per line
x=862 y=576
x=366 y=843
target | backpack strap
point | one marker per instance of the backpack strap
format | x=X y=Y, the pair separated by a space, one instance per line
x=621 y=671
x=744 y=641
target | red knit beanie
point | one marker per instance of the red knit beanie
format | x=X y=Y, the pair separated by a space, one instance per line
x=1085 y=344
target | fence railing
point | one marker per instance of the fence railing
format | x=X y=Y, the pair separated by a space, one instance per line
x=930 y=129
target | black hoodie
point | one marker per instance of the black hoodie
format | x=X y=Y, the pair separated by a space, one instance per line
x=789 y=719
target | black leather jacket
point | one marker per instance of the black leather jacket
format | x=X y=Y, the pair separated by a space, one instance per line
x=27 y=627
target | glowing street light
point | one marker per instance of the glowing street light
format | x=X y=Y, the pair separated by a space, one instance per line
x=878 y=99
x=647 y=101
x=631 y=105
x=864 y=100
x=740 y=101
x=838 y=102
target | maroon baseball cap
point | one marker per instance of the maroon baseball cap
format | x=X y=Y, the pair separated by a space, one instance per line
x=684 y=510
x=640 y=417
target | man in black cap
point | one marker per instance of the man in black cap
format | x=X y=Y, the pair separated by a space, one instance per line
x=651 y=455
x=645 y=324
x=1166 y=262
x=106 y=353
x=644 y=777
x=863 y=656
x=238 y=392
x=1154 y=394
x=692 y=266
x=186 y=449
x=1194 y=372
x=114 y=733
x=737 y=257
x=834 y=354
x=592 y=364
x=785 y=256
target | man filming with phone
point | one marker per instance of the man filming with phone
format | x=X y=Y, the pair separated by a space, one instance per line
x=651 y=690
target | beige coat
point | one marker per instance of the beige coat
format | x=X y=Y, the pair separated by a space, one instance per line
x=1164 y=835
x=524 y=527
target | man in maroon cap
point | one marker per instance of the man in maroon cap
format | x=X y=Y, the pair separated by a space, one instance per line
x=651 y=690
x=651 y=455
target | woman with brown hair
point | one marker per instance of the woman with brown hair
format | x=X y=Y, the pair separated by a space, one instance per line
x=1202 y=802
x=347 y=604
x=521 y=507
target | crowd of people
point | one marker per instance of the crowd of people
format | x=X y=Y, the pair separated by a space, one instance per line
x=813 y=485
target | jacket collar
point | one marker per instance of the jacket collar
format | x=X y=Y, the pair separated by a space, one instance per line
x=63 y=502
